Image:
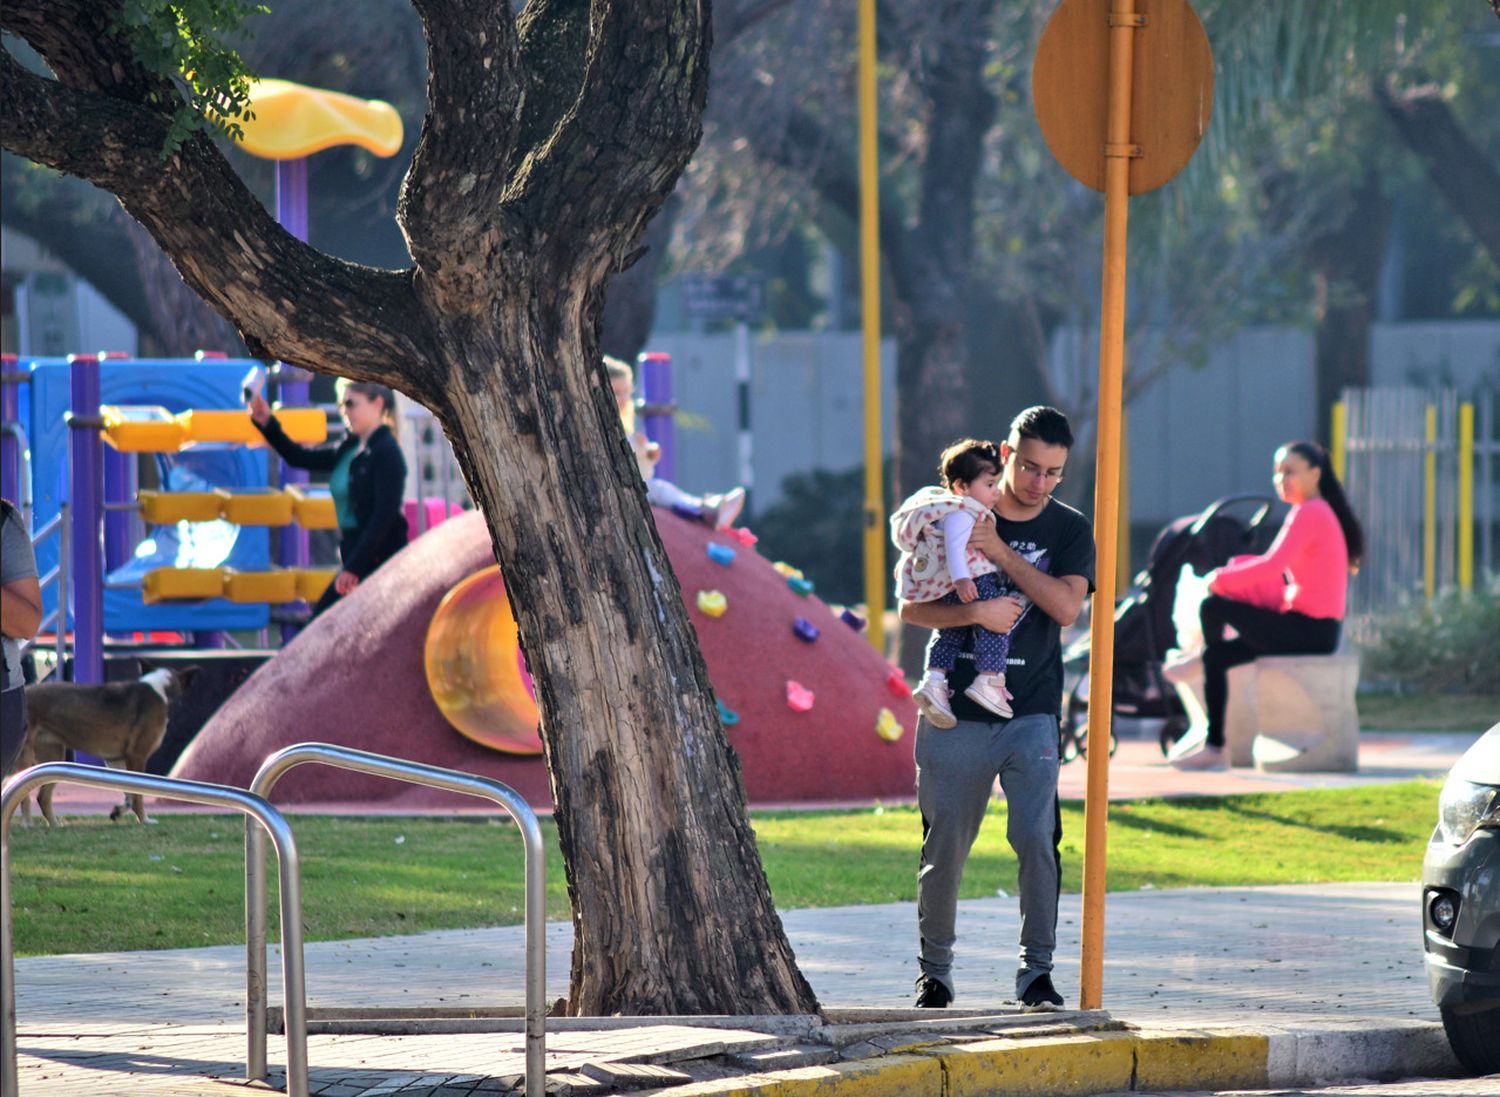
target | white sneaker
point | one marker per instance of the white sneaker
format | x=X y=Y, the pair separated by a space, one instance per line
x=932 y=701
x=1192 y=739
x=988 y=693
x=1182 y=667
x=725 y=508
x=1205 y=758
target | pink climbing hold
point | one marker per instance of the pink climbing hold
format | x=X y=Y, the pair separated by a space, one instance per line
x=895 y=681
x=798 y=697
x=742 y=535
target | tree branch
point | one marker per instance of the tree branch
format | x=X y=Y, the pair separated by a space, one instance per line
x=627 y=135
x=1454 y=163
x=468 y=143
x=289 y=300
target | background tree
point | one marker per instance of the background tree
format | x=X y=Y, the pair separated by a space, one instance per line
x=549 y=140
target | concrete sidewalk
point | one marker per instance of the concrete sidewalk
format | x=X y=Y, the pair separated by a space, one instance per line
x=1205 y=988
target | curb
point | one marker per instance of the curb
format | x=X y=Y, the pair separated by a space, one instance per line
x=1141 y=1059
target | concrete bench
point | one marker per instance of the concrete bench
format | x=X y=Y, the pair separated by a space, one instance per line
x=1288 y=713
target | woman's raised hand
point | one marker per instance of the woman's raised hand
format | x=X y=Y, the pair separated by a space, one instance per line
x=260 y=411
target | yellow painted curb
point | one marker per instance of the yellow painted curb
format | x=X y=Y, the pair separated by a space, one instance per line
x=1167 y=1059
x=890 y=1076
x=1057 y=1065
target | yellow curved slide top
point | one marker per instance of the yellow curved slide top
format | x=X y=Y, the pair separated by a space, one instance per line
x=293 y=120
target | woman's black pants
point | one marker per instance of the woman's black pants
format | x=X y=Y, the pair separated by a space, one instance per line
x=1261 y=632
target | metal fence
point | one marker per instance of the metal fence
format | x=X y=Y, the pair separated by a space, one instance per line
x=1422 y=471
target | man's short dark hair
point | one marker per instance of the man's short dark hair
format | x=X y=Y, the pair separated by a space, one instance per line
x=1047 y=425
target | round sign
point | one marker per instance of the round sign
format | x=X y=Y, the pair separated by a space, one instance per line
x=1171 y=89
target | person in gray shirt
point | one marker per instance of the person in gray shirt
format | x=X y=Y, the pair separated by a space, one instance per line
x=20 y=617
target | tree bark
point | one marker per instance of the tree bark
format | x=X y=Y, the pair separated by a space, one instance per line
x=496 y=330
x=1459 y=169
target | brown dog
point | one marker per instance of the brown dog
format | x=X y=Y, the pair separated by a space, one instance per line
x=120 y=722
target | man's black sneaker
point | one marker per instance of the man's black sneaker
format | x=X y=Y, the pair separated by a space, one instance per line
x=931 y=993
x=1041 y=994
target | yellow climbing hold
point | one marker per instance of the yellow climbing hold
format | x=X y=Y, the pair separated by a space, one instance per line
x=888 y=727
x=712 y=603
x=786 y=570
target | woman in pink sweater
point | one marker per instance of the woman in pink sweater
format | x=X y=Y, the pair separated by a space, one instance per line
x=1289 y=601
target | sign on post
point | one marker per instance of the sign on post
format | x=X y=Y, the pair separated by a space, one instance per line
x=724 y=296
x=1123 y=90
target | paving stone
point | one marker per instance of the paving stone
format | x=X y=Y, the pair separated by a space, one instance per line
x=628 y=1076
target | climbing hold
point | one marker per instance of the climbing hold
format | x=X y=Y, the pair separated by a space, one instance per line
x=888 y=727
x=727 y=716
x=806 y=630
x=800 y=585
x=895 y=681
x=798 y=697
x=786 y=570
x=712 y=603
x=853 y=620
x=721 y=554
x=742 y=535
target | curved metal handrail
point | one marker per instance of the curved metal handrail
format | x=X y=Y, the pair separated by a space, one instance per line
x=417 y=773
x=272 y=822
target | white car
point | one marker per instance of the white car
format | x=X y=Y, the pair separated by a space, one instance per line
x=1461 y=906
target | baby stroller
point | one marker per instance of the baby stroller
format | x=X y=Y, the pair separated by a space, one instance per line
x=1144 y=631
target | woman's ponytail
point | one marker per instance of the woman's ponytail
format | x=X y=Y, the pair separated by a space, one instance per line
x=1333 y=493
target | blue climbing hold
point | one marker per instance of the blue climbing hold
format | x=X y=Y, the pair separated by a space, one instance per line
x=721 y=554
x=800 y=585
x=805 y=630
x=727 y=716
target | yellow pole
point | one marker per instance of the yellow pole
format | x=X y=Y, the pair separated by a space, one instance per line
x=869 y=248
x=1122 y=564
x=1123 y=21
x=1466 y=497
x=1340 y=439
x=1429 y=508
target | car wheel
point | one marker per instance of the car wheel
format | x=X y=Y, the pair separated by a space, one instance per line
x=1475 y=1037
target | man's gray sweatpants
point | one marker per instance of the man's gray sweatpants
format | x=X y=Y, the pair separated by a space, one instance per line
x=956 y=771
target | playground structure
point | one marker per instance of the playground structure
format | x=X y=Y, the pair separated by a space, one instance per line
x=184 y=550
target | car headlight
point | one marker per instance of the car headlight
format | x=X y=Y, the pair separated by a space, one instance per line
x=1463 y=807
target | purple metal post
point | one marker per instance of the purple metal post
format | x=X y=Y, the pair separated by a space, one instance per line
x=85 y=493
x=291 y=196
x=119 y=487
x=10 y=412
x=656 y=388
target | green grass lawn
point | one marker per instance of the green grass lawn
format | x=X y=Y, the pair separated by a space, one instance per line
x=1428 y=712
x=94 y=886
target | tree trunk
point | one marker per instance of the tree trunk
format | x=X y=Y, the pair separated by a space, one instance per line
x=670 y=907
x=1345 y=263
x=630 y=304
x=550 y=139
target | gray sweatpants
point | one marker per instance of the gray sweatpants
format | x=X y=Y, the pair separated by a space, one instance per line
x=956 y=770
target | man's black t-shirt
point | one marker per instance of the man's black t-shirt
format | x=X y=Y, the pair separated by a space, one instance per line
x=1060 y=542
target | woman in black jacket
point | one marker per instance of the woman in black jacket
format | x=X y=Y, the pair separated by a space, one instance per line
x=366 y=474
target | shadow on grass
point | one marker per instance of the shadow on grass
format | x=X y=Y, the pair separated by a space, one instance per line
x=1376 y=834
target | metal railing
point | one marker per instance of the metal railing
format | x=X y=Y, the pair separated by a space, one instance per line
x=271 y=821
x=415 y=773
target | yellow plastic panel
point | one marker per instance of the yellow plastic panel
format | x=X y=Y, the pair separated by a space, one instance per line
x=306 y=425
x=260 y=586
x=171 y=584
x=313 y=509
x=218 y=425
x=167 y=508
x=141 y=429
x=311 y=583
x=255 y=506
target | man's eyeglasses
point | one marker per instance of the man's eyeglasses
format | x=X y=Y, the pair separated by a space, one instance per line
x=1036 y=472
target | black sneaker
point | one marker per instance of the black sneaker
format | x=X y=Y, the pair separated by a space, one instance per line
x=932 y=994
x=1041 y=994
